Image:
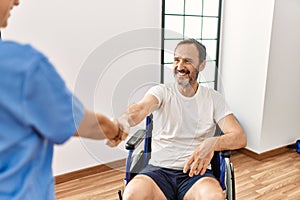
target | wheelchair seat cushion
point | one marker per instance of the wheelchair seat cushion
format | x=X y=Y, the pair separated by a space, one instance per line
x=173 y=183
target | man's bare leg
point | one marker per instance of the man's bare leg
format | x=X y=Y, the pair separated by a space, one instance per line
x=142 y=187
x=206 y=188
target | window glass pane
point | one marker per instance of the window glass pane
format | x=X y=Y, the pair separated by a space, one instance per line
x=210 y=49
x=169 y=47
x=193 y=7
x=169 y=57
x=174 y=6
x=208 y=74
x=173 y=24
x=211 y=7
x=193 y=27
x=210 y=28
x=168 y=73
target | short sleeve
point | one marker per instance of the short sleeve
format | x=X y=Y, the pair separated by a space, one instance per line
x=157 y=91
x=221 y=108
x=49 y=107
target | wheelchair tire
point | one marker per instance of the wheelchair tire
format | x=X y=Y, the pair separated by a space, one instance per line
x=230 y=184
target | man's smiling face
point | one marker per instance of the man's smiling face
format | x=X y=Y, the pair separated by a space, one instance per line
x=186 y=64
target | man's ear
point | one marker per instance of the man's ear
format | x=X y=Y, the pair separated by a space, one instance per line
x=202 y=65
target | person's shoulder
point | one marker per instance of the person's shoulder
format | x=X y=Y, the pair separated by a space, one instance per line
x=12 y=48
x=9 y=44
x=21 y=54
x=157 y=86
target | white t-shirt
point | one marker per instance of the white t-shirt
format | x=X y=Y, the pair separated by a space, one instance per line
x=182 y=123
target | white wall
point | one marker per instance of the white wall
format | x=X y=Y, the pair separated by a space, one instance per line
x=107 y=52
x=282 y=100
x=252 y=72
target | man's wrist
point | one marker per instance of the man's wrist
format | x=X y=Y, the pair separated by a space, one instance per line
x=123 y=124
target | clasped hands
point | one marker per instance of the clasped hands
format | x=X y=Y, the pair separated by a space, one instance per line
x=123 y=124
x=201 y=157
x=120 y=136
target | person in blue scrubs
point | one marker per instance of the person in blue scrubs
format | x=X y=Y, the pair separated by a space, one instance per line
x=37 y=111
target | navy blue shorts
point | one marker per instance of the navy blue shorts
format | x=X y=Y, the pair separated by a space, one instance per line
x=173 y=183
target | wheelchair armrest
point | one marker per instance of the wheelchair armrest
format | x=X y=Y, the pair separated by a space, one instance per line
x=226 y=153
x=135 y=139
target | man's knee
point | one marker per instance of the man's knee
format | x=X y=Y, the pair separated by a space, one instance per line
x=131 y=194
x=142 y=187
x=131 y=191
x=206 y=188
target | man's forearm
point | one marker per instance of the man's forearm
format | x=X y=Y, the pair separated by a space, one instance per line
x=137 y=112
x=234 y=136
x=134 y=114
x=230 y=141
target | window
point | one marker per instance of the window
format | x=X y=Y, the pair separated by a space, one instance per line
x=199 y=19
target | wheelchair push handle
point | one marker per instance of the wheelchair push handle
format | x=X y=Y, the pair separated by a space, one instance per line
x=135 y=139
x=226 y=153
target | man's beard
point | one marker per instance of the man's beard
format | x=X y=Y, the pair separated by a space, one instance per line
x=185 y=82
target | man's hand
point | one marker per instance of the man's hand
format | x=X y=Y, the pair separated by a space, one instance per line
x=201 y=157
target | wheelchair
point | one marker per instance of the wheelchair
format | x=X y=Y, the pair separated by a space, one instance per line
x=221 y=166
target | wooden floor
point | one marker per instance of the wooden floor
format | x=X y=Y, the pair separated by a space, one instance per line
x=275 y=178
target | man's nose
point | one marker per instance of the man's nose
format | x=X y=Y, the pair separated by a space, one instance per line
x=180 y=65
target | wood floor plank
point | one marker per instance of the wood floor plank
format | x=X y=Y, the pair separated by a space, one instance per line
x=274 y=178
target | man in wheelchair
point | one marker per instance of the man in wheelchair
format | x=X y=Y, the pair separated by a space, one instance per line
x=183 y=142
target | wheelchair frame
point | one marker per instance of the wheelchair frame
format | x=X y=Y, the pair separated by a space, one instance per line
x=221 y=166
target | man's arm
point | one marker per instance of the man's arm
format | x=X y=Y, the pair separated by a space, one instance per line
x=137 y=112
x=134 y=114
x=234 y=136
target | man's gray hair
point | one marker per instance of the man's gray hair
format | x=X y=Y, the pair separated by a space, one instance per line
x=201 y=48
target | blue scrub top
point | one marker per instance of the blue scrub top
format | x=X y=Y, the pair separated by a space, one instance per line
x=36 y=111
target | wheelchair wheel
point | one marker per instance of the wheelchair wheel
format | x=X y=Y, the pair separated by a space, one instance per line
x=230 y=184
